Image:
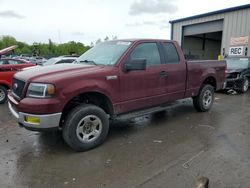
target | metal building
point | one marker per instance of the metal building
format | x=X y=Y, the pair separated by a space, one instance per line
x=215 y=34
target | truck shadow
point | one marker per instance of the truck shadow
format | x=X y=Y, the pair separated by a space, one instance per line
x=53 y=141
x=231 y=92
x=151 y=121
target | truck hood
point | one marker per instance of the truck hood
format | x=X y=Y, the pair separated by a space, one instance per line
x=54 y=72
x=229 y=71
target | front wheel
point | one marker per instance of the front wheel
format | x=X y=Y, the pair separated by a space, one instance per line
x=3 y=94
x=245 y=85
x=204 y=100
x=86 y=127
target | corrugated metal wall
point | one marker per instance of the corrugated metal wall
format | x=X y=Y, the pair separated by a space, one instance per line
x=236 y=24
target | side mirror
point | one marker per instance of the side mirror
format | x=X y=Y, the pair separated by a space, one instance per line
x=135 y=64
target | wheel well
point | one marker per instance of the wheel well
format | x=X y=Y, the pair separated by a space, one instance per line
x=95 y=98
x=211 y=81
x=4 y=85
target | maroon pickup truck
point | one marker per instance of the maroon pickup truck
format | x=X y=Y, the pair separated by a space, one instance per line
x=111 y=80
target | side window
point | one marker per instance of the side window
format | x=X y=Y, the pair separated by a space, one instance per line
x=60 y=62
x=12 y=62
x=170 y=53
x=65 y=61
x=70 y=60
x=20 y=62
x=148 y=51
x=2 y=62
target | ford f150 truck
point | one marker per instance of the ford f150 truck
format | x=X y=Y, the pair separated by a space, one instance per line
x=111 y=80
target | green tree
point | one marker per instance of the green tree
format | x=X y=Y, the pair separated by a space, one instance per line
x=8 y=41
x=49 y=49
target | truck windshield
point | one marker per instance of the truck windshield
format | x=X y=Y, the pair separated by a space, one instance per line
x=106 y=53
x=241 y=63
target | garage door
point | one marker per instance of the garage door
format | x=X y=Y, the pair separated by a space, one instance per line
x=207 y=27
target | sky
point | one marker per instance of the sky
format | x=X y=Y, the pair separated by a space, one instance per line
x=88 y=20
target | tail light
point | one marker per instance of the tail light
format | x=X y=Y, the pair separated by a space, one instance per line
x=226 y=71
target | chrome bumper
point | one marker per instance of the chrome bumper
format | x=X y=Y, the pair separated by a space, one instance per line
x=224 y=85
x=48 y=121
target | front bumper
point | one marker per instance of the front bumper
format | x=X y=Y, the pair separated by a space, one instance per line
x=233 y=83
x=46 y=122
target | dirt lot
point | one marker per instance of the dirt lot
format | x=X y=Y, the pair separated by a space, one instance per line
x=169 y=149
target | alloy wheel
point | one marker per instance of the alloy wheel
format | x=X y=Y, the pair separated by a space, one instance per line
x=89 y=129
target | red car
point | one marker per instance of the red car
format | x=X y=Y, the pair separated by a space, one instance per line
x=8 y=67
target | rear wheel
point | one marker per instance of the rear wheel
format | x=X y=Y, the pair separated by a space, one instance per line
x=3 y=94
x=204 y=100
x=245 y=85
x=86 y=127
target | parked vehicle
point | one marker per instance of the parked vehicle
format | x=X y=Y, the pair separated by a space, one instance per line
x=37 y=60
x=237 y=74
x=60 y=60
x=7 y=50
x=8 y=67
x=114 y=79
x=55 y=61
x=25 y=56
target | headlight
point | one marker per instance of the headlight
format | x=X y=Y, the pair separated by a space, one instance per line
x=38 y=90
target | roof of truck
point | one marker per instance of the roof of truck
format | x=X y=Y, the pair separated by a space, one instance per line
x=141 y=39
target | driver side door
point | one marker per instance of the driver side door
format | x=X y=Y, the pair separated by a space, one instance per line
x=143 y=88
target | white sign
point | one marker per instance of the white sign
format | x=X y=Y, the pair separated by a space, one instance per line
x=236 y=41
x=236 y=51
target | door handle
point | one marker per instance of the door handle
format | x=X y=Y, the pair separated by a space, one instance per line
x=163 y=74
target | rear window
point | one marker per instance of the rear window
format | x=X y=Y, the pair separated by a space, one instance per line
x=170 y=53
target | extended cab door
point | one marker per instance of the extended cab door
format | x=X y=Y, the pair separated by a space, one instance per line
x=143 y=88
x=175 y=70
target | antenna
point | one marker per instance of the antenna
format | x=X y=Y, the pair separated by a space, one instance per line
x=59 y=36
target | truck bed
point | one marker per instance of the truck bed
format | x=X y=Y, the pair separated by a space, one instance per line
x=198 y=70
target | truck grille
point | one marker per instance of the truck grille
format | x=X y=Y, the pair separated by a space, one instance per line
x=232 y=75
x=230 y=85
x=17 y=87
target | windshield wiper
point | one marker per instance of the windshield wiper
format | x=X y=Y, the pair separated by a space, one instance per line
x=88 y=61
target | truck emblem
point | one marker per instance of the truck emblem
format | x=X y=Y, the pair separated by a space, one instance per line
x=113 y=77
x=15 y=86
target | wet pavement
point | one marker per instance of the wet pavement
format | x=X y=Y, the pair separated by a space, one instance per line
x=167 y=149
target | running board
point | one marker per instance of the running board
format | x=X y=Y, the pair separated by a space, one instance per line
x=151 y=110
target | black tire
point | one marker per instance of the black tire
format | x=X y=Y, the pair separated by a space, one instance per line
x=3 y=94
x=201 y=102
x=80 y=118
x=245 y=85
